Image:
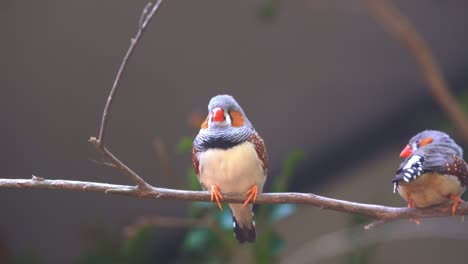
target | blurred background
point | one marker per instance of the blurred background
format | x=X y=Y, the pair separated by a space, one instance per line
x=334 y=96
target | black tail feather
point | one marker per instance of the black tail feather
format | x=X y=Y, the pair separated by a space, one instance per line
x=245 y=233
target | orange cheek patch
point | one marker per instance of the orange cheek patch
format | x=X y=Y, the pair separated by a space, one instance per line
x=237 y=119
x=204 y=125
x=425 y=141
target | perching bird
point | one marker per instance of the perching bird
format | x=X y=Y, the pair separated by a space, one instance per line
x=433 y=172
x=229 y=156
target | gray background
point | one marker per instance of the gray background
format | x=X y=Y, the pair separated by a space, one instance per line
x=321 y=76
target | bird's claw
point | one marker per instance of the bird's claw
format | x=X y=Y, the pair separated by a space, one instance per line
x=411 y=205
x=252 y=194
x=216 y=195
x=456 y=201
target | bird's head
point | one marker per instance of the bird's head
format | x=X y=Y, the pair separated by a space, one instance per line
x=225 y=112
x=430 y=138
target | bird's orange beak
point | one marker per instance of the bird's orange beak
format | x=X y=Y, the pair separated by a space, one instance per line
x=217 y=114
x=406 y=152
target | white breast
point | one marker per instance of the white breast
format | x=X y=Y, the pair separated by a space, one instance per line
x=234 y=170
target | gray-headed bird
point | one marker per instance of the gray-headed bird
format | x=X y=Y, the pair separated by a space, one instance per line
x=229 y=156
x=433 y=172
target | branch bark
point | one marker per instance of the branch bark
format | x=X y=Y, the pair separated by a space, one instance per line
x=378 y=212
x=401 y=28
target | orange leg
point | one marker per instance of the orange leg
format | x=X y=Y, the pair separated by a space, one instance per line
x=411 y=205
x=216 y=195
x=252 y=194
x=456 y=201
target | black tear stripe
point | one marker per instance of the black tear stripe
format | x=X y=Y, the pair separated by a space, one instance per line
x=411 y=173
x=414 y=171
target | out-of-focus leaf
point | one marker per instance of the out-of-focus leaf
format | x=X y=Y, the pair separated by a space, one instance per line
x=464 y=197
x=192 y=180
x=269 y=10
x=184 y=145
x=358 y=257
x=361 y=255
x=225 y=219
x=281 y=211
x=138 y=249
x=196 y=239
x=208 y=245
x=359 y=220
x=464 y=101
x=103 y=247
x=267 y=247
x=200 y=209
x=27 y=257
x=99 y=258
x=293 y=159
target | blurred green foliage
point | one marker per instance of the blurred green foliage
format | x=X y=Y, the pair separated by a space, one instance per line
x=361 y=255
x=269 y=10
x=184 y=145
x=108 y=248
x=26 y=257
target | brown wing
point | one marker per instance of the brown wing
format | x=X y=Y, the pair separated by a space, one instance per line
x=261 y=150
x=443 y=160
x=195 y=162
x=458 y=167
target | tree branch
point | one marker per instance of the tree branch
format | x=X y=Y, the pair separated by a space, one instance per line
x=404 y=30
x=99 y=142
x=377 y=212
x=120 y=165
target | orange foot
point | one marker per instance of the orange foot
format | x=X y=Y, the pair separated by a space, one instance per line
x=216 y=195
x=411 y=205
x=252 y=195
x=456 y=201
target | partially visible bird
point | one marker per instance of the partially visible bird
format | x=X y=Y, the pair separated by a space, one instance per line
x=229 y=156
x=433 y=172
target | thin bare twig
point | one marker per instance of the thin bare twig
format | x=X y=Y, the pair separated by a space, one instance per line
x=99 y=142
x=404 y=30
x=144 y=20
x=120 y=165
x=108 y=164
x=377 y=212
